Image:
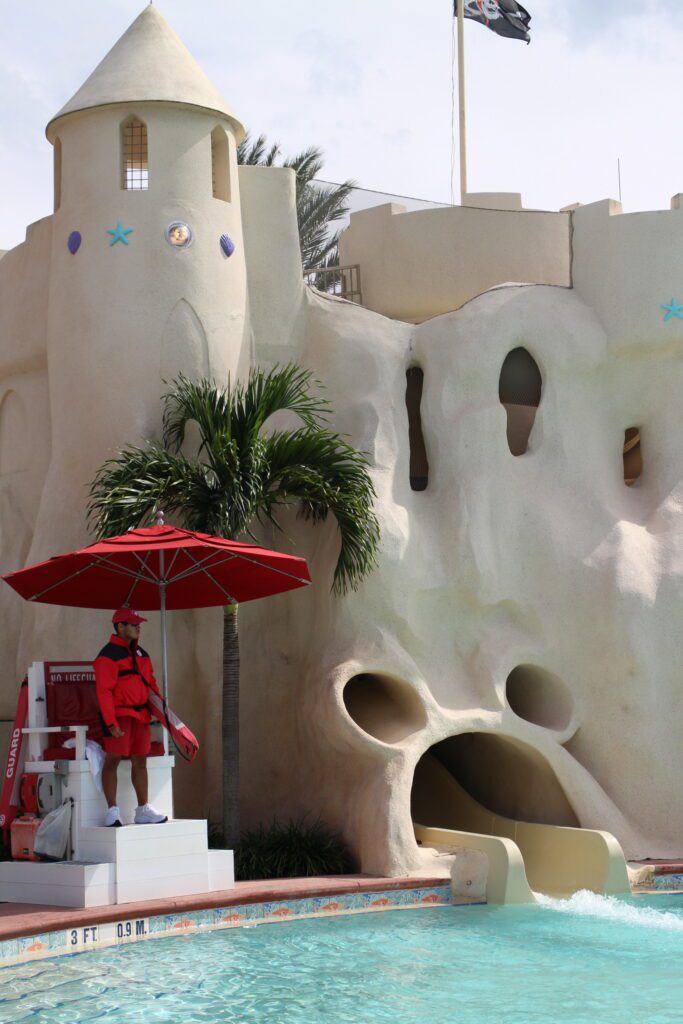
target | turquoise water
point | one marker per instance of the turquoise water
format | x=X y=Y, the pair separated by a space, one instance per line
x=589 y=959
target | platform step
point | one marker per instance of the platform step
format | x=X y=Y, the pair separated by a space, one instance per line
x=159 y=843
x=59 y=884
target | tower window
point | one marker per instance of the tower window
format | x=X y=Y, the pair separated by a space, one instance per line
x=134 y=169
x=220 y=164
x=57 y=173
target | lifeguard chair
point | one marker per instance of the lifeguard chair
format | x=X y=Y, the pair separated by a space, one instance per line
x=104 y=865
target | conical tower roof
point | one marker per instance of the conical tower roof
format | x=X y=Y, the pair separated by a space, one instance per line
x=149 y=63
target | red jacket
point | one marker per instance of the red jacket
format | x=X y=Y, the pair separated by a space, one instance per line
x=121 y=689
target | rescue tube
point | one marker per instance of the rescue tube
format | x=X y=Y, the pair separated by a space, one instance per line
x=9 y=798
x=184 y=739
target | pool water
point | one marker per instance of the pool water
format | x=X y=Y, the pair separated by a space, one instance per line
x=587 y=959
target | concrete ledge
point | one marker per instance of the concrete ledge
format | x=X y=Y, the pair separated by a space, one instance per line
x=22 y=919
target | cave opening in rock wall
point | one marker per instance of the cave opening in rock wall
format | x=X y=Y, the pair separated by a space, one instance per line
x=419 y=466
x=633 y=456
x=384 y=706
x=519 y=390
x=464 y=781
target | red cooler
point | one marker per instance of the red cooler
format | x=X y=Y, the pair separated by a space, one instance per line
x=23 y=833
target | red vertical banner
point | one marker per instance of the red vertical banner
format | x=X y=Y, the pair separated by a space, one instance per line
x=9 y=798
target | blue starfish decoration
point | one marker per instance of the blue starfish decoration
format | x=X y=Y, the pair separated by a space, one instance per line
x=119 y=234
x=675 y=309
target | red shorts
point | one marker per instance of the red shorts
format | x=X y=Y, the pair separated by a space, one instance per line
x=135 y=742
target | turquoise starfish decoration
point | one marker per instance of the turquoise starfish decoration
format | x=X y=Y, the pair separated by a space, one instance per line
x=119 y=234
x=675 y=309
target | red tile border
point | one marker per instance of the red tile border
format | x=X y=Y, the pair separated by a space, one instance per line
x=21 y=919
x=661 y=867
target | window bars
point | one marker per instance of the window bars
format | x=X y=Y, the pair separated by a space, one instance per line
x=134 y=169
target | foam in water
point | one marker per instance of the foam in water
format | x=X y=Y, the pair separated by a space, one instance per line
x=588 y=904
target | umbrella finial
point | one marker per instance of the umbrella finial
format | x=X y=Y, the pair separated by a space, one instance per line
x=160 y=518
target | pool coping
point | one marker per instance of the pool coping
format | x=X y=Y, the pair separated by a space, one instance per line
x=34 y=933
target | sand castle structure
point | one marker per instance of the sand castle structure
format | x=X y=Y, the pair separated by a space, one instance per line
x=514 y=663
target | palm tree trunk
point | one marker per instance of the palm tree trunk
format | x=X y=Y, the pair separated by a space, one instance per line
x=231 y=727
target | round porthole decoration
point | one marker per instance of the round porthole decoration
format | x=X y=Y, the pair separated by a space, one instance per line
x=73 y=242
x=179 y=234
x=227 y=246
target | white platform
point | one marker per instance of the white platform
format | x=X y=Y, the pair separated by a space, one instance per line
x=137 y=862
x=64 y=884
x=112 y=865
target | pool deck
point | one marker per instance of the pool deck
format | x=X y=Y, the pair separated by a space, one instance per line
x=22 y=919
x=661 y=867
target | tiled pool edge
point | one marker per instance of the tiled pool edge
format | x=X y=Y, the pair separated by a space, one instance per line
x=668 y=883
x=63 y=942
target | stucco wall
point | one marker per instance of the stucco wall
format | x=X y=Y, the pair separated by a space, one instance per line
x=545 y=559
x=502 y=561
x=24 y=423
x=419 y=264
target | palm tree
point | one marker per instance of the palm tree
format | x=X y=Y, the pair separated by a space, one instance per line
x=240 y=476
x=317 y=206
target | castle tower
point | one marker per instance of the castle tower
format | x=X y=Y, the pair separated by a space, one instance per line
x=147 y=275
x=140 y=288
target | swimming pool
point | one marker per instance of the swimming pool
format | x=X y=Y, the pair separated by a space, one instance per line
x=587 y=960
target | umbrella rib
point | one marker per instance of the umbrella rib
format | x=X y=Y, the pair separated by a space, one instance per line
x=122 y=571
x=151 y=578
x=229 y=557
x=143 y=562
x=199 y=564
x=78 y=572
x=173 y=562
x=273 y=568
x=231 y=599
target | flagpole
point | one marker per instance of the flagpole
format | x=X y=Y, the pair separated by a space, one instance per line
x=461 y=99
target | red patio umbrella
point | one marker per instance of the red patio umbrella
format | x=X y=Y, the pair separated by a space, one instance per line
x=160 y=568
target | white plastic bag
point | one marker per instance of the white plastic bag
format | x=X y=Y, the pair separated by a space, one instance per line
x=52 y=837
x=95 y=756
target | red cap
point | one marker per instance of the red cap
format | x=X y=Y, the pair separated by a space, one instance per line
x=127 y=615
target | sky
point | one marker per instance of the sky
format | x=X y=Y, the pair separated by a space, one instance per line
x=370 y=82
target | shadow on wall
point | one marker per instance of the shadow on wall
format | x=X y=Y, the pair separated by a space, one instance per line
x=519 y=390
x=486 y=774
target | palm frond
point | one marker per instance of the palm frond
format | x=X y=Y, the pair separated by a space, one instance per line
x=239 y=475
x=306 y=165
x=201 y=401
x=284 y=388
x=130 y=488
x=317 y=207
x=255 y=153
x=326 y=475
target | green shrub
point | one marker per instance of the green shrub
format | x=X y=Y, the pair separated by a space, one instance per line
x=292 y=850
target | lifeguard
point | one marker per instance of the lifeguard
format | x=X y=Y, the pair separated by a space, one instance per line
x=124 y=677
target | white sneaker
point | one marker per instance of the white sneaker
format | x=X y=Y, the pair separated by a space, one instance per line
x=113 y=818
x=148 y=816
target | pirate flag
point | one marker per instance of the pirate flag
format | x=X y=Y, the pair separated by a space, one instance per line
x=506 y=17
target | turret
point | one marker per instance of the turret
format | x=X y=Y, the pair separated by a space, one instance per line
x=147 y=265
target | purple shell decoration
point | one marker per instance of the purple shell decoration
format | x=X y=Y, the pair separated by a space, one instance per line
x=74 y=242
x=227 y=245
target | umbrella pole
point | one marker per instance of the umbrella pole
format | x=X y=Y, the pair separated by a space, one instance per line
x=164 y=653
